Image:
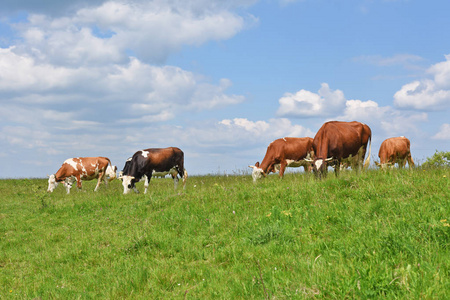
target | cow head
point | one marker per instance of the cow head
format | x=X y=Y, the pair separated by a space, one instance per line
x=127 y=182
x=319 y=165
x=384 y=166
x=52 y=183
x=111 y=172
x=257 y=172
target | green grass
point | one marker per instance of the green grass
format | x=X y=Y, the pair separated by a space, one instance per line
x=377 y=235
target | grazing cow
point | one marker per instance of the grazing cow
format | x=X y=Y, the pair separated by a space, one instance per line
x=341 y=142
x=173 y=172
x=282 y=153
x=82 y=168
x=144 y=162
x=395 y=150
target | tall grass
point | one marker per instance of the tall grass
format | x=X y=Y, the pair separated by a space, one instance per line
x=376 y=235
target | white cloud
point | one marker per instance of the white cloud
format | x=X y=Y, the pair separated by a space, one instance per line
x=244 y=130
x=444 y=132
x=308 y=104
x=389 y=121
x=427 y=94
x=151 y=30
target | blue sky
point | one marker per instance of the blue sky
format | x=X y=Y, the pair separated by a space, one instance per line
x=219 y=79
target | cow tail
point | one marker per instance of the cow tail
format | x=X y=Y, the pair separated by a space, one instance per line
x=367 y=162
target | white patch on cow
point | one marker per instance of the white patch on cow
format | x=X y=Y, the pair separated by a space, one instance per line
x=144 y=153
x=318 y=163
x=72 y=163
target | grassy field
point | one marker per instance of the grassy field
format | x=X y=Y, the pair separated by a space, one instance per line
x=377 y=235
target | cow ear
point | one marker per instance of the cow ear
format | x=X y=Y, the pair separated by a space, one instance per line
x=257 y=164
x=252 y=167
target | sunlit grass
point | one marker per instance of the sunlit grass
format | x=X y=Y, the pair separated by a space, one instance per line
x=380 y=234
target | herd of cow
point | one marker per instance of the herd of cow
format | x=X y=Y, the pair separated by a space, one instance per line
x=336 y=144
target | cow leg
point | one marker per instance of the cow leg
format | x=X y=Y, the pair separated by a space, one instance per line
x=410 y=161
x=101 y=177
x=283 y=165
x=185 y=175
x=147 y=182
x=78 y=182
x=175 y=181
x=337 y=167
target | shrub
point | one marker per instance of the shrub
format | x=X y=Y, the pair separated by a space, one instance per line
x=439 y=159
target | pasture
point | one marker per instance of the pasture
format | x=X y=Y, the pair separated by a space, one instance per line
x=377 y=235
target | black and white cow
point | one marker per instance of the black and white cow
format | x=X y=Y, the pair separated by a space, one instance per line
x=149 y=162
x=173 y=172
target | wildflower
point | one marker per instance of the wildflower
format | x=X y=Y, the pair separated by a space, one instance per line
x=445 y=176
x=269 y=214
x=443 y=220
x=234 y=212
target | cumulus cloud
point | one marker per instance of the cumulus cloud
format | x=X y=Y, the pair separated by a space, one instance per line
x=427 y=94
x=137 y=89
x=152 y=30
x=386 y=119
x=242 y=129
x=58 y=7
x=444 y=132
x=80 y=78
x=308 y=104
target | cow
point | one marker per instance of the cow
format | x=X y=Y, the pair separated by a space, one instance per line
x=341 y=142
x=282 y=153
x=82 y=168
x=395 y=150
x=144 y=162
x=173 y=172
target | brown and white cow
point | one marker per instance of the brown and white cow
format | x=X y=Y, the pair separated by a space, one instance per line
x=82 y=168
x=395 y=150
x=341 y=142
x=282 y=153
x=144 y=162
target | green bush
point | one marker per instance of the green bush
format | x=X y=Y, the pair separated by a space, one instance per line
x=439 y=159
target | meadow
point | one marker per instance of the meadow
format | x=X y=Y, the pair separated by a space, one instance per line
x=380 y=234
